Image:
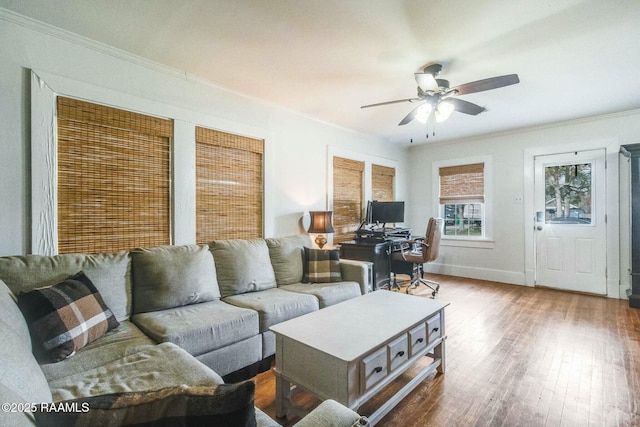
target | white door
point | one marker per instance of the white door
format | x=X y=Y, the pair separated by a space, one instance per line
x=570 y=229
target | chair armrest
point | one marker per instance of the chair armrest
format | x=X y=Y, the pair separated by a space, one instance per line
x=331 y=413
x=356 y=271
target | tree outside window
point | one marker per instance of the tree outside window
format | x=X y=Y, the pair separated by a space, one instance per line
x=568 y=194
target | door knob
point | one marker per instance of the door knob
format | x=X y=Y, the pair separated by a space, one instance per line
x=539 y=228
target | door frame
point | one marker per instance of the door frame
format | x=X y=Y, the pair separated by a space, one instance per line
x=611 y=147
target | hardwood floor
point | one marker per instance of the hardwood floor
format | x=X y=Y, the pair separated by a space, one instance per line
x=519 y=356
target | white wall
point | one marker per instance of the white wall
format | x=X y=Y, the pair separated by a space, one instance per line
x=295 y=159
x=505 y=259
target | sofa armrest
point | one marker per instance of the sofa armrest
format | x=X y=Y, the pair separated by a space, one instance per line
x=332 y=414
x=356 y=271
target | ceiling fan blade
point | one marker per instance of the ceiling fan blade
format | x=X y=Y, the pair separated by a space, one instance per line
x=466 y=107
x=410 y=116
x=391 y=102
x=426 y=82
x=487 y=84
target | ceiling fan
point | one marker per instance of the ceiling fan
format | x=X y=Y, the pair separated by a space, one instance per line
x=436 y=96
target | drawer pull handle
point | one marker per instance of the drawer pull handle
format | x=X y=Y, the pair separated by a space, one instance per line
x=378 y=369
x=420 y=340
x=400 y=353
x=435 y=330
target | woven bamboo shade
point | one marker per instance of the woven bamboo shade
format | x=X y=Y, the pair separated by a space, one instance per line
x=347 y=197
x=113 y=178
x=229 y=186
x=382 y=178
x=464 y=183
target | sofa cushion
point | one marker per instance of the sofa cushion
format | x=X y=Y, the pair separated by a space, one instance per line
x=182 y=405
x=200 y=328
x=327 y=293
x=65 y=317
x=275 y=305
x=321 y=266
x=172 y=276
x=12 y=315
x=243 y=266
x=19 y=370
x=286 y=255
x=110 y=273
x=15 y=419
x=163 y=365
x=125 y=340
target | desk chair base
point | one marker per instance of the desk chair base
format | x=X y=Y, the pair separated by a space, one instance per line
x=416 y=281
x=434 y=286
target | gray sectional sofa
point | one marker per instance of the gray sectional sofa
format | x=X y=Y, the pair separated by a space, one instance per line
x=188 y=315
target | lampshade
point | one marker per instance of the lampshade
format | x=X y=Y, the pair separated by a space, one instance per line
x=443 y=111
x=321 y=222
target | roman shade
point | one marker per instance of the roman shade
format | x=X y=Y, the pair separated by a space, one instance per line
x=463 y=183
x=347 y=197
x=229 y=186
x=382 y=178
x=113 y=178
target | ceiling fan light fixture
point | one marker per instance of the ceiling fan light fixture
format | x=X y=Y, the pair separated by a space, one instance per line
x=443 y=111
x=423 y=112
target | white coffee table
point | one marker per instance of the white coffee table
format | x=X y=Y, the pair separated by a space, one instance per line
x=350 y=351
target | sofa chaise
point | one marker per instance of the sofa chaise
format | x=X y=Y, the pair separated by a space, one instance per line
x=176 y=321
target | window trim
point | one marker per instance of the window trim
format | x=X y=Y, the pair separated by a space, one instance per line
x=486 y=241
x=333 y=151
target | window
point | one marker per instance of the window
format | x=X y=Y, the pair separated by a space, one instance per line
x=462 y=200
x=347 y=197
x=229 y=186
x=568 y=194
x=113 y=178
x=382 y=178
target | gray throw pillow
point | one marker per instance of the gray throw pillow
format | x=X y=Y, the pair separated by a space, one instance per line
x=172 y=276
x=243 y=266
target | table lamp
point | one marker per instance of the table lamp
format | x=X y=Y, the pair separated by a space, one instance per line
x=321 y=222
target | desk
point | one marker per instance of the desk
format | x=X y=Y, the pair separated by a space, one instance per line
x=377 y=252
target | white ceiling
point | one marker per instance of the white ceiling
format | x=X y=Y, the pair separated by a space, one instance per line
x=326 y=58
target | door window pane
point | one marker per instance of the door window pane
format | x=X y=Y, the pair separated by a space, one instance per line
x=568 y=194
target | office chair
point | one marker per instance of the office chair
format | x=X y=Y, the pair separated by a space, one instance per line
x=415 y=253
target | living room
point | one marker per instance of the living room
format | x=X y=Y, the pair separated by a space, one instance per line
x=41 y=59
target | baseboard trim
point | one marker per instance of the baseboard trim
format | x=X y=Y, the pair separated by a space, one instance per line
x=511 y=277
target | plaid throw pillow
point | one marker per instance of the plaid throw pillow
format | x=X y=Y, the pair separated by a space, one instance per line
x=65 y=317
x=321 y=266
x=223 y=405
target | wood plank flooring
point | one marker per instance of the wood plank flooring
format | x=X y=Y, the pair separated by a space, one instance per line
x=518 y=356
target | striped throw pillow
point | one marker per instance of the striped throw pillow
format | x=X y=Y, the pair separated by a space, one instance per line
x=65 y=317
x=321 y=266
x=218 y=405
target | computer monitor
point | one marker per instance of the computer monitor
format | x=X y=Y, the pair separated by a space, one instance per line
x=385 y=212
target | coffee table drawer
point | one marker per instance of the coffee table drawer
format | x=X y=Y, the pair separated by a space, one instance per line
x=434 y=328
x=398 y=351
x=417 y=339
x=373 y=368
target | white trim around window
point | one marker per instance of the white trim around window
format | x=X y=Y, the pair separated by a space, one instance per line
x=486 y=241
